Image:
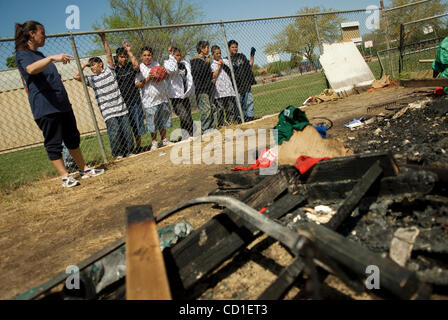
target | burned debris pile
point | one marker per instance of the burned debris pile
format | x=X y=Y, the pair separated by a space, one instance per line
x=416 y=133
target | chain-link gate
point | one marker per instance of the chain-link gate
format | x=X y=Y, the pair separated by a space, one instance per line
x=285 y=72
x=419 y=41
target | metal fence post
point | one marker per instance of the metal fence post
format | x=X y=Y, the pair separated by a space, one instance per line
x=386 y=27
x=400 y=48
x=381 y=65
x=89 y=102
x=316 y=27
x=238 y=101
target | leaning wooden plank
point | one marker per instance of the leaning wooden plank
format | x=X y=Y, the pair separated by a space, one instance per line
x=417 y=83
x=358 y=192
x=146 y=277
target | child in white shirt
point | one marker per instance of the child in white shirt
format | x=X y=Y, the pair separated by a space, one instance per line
x=180 y=88
x=154 y=99
x=224 y=93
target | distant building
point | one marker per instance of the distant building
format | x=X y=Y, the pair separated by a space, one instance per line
x=350 y=31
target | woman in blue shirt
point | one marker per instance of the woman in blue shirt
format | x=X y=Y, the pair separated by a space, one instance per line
x=49 y=101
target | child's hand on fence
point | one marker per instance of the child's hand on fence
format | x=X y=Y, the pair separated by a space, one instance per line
x=252 y=51
x=102 y=34
x=170 y=49
x=127 y=46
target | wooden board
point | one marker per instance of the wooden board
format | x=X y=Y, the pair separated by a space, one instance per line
x=417 y=83
x=146 y=277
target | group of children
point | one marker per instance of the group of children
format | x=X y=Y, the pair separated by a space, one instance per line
x=215 y=91
x=116 y=87
x=127 y=91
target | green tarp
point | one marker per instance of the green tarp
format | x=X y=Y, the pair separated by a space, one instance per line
x=290 y=119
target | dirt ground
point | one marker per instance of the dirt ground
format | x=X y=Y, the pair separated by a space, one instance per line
x=45 y=228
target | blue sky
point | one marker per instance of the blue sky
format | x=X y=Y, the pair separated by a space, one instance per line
x=52 y=13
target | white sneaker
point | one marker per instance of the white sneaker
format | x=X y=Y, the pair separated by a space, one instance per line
x=90 y=173
x=154 y=145
x=166 y=142
x=69 y=182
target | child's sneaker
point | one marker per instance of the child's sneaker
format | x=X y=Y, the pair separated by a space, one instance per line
x=90 y=172
x=154 y=145
x=69 y=182
x=166 y=142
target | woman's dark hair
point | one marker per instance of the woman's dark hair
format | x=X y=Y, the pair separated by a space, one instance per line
x=232 y=42
x=146 y=48
x=215 y=47
x=22 y=33
x=201 y=45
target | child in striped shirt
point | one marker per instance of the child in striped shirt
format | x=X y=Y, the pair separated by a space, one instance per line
x=111 y=104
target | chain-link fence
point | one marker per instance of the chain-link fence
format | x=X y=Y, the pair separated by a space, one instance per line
x=419 y=41
x=283 y=70
x=410 y=36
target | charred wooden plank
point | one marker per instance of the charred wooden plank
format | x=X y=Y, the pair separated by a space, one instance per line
x=284 y=282
x=351 y=167
x=358 y=192
x=146 y=277
x=397 y=280
x=416 y=183
x=220 y=238
x=239 y=179
x=417 y=83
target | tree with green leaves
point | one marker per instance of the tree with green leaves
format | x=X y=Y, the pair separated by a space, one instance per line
x=414 y=32
x=300 y=38
x=11 y=62
x=145 y=13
